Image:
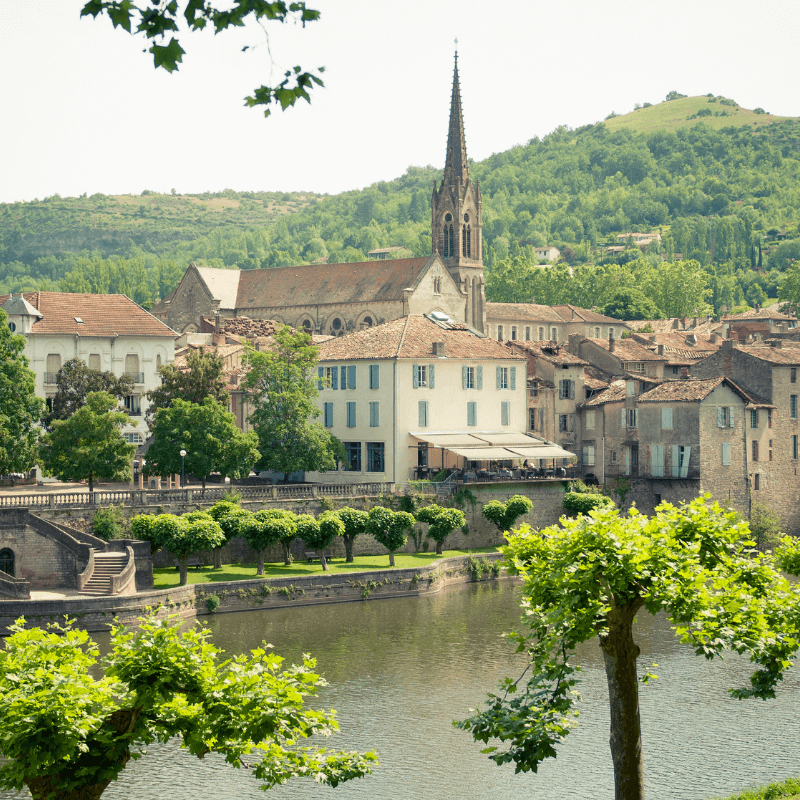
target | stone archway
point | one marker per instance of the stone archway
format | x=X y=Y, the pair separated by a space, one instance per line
x=7 y=561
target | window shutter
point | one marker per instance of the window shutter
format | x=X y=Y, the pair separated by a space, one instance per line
x=541 y=419
x=471 y=414
x=634 y=418
x=328 y=415
x=513 y=378
x=463 y=377
x=731 y=416
x=666 y=418
x=572 y=390
x=423 y=413
x=351 y=415
x=374 y=419
x=344 y=377
x=374 y=376
x=675 y=461
x=334 y=377
x=504 y=413
x=726 y=454
x=719 y=417
x=687 y=452
x=499 y=377
x=624 y=419
x=415 y=376
x=479 y=377
x=431 y=377
x=657 y=460
x=320 y=376
x=351 y=377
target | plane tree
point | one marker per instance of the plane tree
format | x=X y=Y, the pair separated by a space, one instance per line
x=68 y=732
x=355 y=523
x=441 y=522
x=320 y=532
x=389 y=528
x=589 y=577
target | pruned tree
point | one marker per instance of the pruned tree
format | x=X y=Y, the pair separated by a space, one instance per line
x=20 y=408
x=589 y=577
x=389 y=528
x=193 y=532
x=355 y=523
x=267 y=528
x=505 y=515
x=89 y=446
x=229 y=515
x=441 y=522
x=75 y=381
x=68 y=733
x=319 y=533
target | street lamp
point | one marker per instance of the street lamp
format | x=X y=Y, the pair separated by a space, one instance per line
x=183 y=479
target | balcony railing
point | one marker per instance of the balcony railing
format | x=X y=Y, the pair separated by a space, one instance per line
x=138 y=377
x=50 y=378
x=134 y=412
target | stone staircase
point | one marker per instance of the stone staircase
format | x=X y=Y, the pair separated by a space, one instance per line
x=105 y=566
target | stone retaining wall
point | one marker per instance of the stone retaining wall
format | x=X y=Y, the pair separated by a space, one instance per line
x=188 y=602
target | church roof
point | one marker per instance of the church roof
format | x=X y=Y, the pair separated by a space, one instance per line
x=325 y=284
x=222 y=283
x=92 y=315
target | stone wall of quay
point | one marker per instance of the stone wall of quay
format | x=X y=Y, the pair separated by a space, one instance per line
x=189 y=602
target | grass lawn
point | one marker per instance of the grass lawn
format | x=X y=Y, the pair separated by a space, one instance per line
x=168 y=577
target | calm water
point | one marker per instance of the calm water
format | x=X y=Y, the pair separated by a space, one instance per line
x=401 y=670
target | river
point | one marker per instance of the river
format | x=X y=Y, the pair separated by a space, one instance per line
x=401 y=670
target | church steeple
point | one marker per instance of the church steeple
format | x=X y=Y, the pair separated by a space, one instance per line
x=457 y=217
x=456 y=167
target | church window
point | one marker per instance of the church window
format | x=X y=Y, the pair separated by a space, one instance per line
x=513 y=332
x=337 y=327
x=367 y=323
x=190 y=303
x=450 y=247
x=448 y=217
x=541 y=334
x=469 y=242
x=466 y=217
x=308 y=326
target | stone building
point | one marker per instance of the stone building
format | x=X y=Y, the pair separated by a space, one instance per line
x=620 y=357
x=531 y=322
x=335 y=299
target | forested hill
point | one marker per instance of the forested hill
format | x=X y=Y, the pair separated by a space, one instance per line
x=722 y=190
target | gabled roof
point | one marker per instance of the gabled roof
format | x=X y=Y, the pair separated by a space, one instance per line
x=616 y=391
x=222 y=283
x=757 y=313
x=571 y=313
x=595 y=379
x=413 y=337
x=100 y=315
x=788 y=354
x=550 y=351
x=689 y=390
x=18 y=306
x=627 y=350
x=529 y=311
x=324 y=284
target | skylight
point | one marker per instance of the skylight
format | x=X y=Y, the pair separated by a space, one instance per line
x=78 y=319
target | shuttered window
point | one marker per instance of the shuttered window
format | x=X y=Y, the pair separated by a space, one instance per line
x=505 y=413
x=374 y=376
x=666 y=418
x=328 y=415
x=351 y=377
x=726 y=454
x=374 y=415
x=423 y=413
x=472 y=414
x=351 y=415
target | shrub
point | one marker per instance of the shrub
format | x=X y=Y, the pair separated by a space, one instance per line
x=577 y=503
x=504 y=515
x=108 y=523
x=212 y=602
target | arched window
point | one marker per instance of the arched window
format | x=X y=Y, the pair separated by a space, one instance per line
x=451 y=247
x=7 y=561
x=158 y=360
x=597 y=333
x=308 y=326
x=554 y=334
x=366 y=323
x=337 y=327
x=447 y=236
x=499 y=333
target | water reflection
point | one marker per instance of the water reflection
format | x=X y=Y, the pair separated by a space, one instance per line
x=401 y=670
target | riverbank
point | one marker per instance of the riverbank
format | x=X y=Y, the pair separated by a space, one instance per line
x=194 y=600
x=783 y=790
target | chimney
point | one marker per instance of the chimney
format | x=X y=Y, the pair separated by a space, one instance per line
x=610 y=344
x=727 y=345
x=684 y=373
x=438 y=349
x=652 y=337
x=574 y=343
x=683 y=323
x=714 y=338
x=217 y=325
x=661 y=349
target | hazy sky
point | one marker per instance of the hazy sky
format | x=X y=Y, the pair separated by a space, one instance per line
x=83 y=109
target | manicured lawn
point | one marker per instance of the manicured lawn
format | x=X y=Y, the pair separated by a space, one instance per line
x=783 y=790
x=166 y=577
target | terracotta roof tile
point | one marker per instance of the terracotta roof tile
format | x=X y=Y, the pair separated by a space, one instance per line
x=413 y=337
x=689 y=390
x=551 y=351
x=530 y=311
x=761 y=313
x=614 y=393
x=628 y=350
x=102 y=315
x=571 y=313
x=324 y=284
x=787 y=354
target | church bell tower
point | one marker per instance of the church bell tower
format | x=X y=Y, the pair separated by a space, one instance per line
x=457 y=217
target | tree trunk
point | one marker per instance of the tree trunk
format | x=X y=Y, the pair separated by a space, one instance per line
x=183 y=566
x=322 y=560
x=439 y=548
x=91 y=483
x=260 y=570
x=391 y=558
x=217 y=554
x=620 y=653
x=348 y=549
x=287 y=556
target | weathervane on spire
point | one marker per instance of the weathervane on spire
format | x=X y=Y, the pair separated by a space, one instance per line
x=456 y=41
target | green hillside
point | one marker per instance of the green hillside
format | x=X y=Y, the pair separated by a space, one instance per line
x=721 y=194
x=713 y=110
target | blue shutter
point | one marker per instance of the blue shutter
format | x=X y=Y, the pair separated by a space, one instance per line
x=513 y=379
x=351 y=377
x=472 y=415
x=351 y=415
x=423 y=413
x=320 y=376
x=415 y=376
x=328 y=415
x=344 y=377
x=499 y=377
x=504 y=413
x=431 y=377
x=334 y=377
x=479 y=377
x=463 y=377
x=374 y=376
x=374 y=415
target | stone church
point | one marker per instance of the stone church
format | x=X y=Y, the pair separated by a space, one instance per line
x=334 y=299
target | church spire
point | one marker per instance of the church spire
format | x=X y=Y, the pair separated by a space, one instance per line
x=456 y=168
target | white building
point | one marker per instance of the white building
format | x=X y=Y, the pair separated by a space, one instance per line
x=422 y=393
x=109 y=332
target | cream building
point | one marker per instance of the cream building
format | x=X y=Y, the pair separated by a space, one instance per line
x=423 y=393
x=108 y=332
